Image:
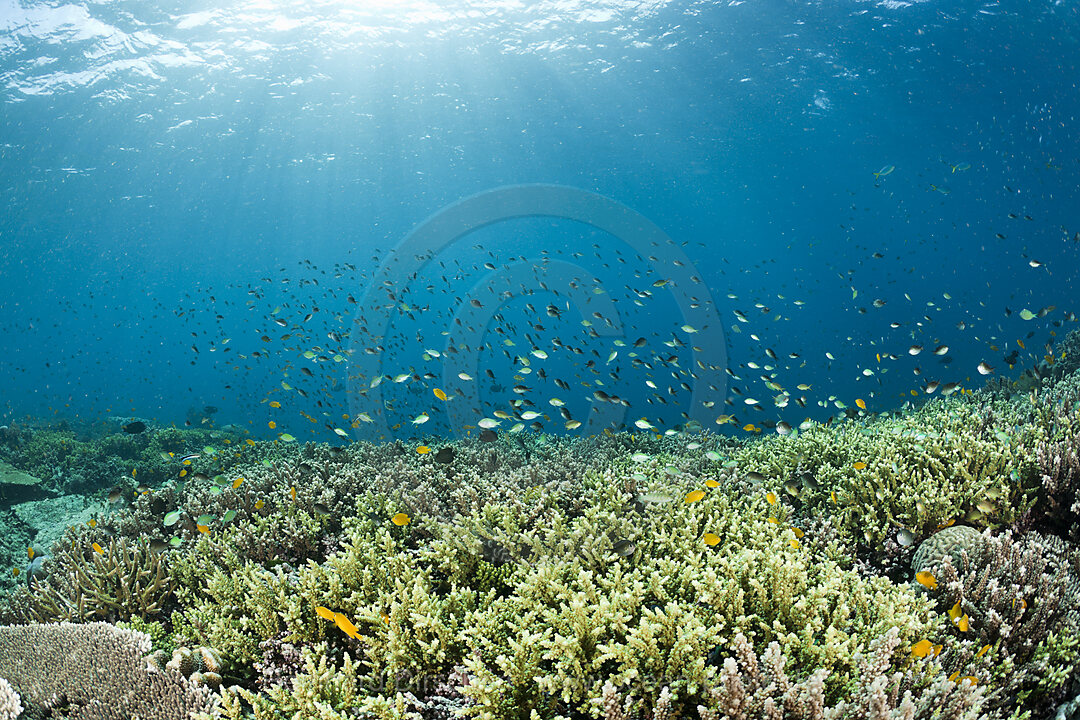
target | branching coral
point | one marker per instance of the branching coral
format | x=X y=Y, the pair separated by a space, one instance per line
x=122 y=581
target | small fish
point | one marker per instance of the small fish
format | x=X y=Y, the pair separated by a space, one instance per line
x=171 y=518
x=188 y=459
x=926 y=579
x=275 y=404
x=439 y=393
x=237 y=482
x=922 y=648
x=321 y=509
x=883 y=172
x=158 y=545
x=97 y=549
x=346 y=626
x=711 y=539
x=444 y=456
x=259 y=504
x=325 y=613
x=859 y=466
x=656 y=498
x=770 y=497
x=694 y=496
x=423 y=449
x=286 y=437
x=624 y=548
x=985 y=369
x=860 y=403
x=401 y=519
x=134 y=428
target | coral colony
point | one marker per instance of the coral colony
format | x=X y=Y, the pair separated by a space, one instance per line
x=918 y=564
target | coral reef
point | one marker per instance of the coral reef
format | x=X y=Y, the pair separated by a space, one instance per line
x=120 y=581
x=10 y=703
x=921 y=564
x=94 y=671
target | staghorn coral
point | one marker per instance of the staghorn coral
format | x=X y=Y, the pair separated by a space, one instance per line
x=10 y=703
x=124 y=581
x=533 y=577
x=1059 y=473
x=948 y=459
x=1023 y=603
x=756 y=686
x=94 y=672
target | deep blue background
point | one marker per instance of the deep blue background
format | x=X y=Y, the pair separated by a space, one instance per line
x=158 y=163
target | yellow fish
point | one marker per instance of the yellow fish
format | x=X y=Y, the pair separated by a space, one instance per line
x=922 y=648
x=711 y=483
x=275 y=404
x=926 y=579
x=770 y=497
x=401 y=519
x=711 y=539
x=861 y=403
x=97 y=549
x=346 y=626
x=30 y=552
x=325 y=613
x=859 y=466
x=259 y=504
x=694 y=495
x=423 y=449
x=236 y=483
x=440 y=394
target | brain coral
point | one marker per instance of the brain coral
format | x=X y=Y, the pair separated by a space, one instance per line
x=949 y=543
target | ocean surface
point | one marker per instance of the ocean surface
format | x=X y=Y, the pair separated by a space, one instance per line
x=279 y=222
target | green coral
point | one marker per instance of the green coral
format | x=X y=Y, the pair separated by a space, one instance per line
x=917 y=471
x=121 y=581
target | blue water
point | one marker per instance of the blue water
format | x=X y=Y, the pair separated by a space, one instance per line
x=172 y=174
